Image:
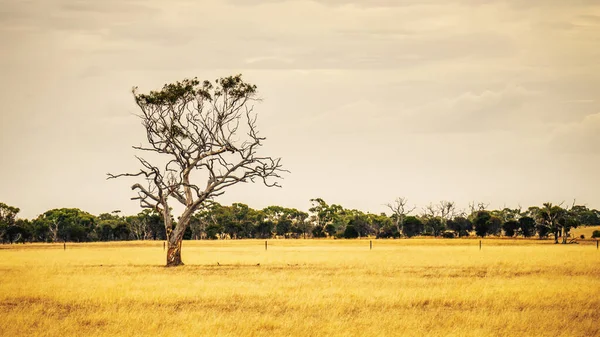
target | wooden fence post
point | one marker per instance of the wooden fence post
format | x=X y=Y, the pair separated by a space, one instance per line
x=370 y=244
x=479 y=244
x=265 y=244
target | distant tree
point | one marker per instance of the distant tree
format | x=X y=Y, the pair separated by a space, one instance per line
x=121 y=232
x=434 y=226
x=301 y=226
x=323 y=215
x=350 y=232
x=481 y=222
x=585 y=216
x=361 y=222
x=318 y=232
x=495 y=226
x=284 y=226
x=400 y=211
x=265 y=228
x=569 y=219
x=510 y=227
x=447 y=211
x=383 y=226
x=527 y=226
x=195 y=127
x=67 y=224
x=461 y=225
x=8 y=217
x=412 y=226
x=549 y=219
x=140 y=225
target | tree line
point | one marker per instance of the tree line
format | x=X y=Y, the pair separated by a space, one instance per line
x=323 y=220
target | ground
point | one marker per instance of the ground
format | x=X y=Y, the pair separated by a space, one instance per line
x=415 y=287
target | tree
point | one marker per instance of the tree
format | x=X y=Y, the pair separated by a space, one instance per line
x=585 y=216
x=461 y=225
x=549 y=220
x=495 y=226
x=361 y=224
x=510 y=227
x=67 y=224
x=481 y=223
x=350 y=232
x=140 y=225
x=8 y=217
x=412 y=226
x=399 y=212
x=202 y=129
x=447 y=211
x=434 y=225
x=527 y=226
x=324 y=215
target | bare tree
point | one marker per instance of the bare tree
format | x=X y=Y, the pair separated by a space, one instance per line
x=430 y=211
x=400 y=210
x=477 y=207
x=196 y=128
x=447 y=210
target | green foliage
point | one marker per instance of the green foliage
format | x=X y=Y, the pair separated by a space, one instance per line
x=434 y=226
x=596 y=234
x=527 y=226
x=460 y=225
x=510 y=227
x=481 y=223
x=412 y=226
x=8 y=215
x=350 y=232
x=241 y=221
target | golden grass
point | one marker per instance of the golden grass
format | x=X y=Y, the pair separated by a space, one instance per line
x=416 y=287
x=587 y=231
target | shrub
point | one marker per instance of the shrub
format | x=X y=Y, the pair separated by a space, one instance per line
x=596 y=234
x=350 y=232
x=448 y=235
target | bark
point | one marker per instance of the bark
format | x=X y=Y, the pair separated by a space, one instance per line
x=174 y=253
x=176 y=238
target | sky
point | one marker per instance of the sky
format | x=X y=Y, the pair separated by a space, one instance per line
x=365 y=101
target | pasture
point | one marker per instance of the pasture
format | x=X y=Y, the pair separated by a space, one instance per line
x=414 y=287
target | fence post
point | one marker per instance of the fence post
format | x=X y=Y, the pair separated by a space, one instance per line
x=479 y=244
x=265 y=244
x=370 y=244
x=164 y=245
x=64 y=246
x=596 y=244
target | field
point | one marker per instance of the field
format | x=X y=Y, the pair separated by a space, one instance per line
x=416 y=287
x=587 y=231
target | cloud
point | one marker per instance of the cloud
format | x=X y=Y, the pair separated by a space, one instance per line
x=582 y=137
x=471 y=112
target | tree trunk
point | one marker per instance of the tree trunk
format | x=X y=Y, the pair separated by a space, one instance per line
x=175 y=239
x=174 y=252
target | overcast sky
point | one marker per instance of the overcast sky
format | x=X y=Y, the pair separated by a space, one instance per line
x=465 y=100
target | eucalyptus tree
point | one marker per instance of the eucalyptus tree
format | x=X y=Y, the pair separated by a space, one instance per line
x=400 y=210
x=201 y=138
x=8 y=217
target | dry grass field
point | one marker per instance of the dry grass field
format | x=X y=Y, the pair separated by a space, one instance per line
x=416 y=287
x=587 y=231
